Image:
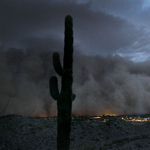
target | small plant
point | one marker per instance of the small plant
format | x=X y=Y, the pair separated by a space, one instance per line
x=81 y=136
x=30 y=124
x=32 y=130
x=145 y=136
x=72 y=138
x=99 y=133
x=110 y=145
x=95 y=139
x=40 y=128
x=86 y=146
x=83 y=133
x=139 y=145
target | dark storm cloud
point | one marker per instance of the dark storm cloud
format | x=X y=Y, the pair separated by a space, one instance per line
x=137 y=13
x=22 y=18
x=95 y=32
x=55 y=43
x=118 y=7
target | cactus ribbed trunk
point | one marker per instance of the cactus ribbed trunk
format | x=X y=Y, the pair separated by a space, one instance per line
x=65 y=97
x=64 y=103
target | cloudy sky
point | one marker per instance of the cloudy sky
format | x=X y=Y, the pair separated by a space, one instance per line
x=111 y=55
x=100 y=27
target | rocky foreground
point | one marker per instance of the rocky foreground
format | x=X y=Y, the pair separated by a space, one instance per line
x=36 y=133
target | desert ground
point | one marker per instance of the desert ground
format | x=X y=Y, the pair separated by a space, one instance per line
x=87 y=133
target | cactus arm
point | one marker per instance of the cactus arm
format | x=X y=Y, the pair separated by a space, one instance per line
x=73 y=96
x=57 y=64
x=54 y=87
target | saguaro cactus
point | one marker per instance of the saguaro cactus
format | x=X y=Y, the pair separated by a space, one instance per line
x=65 y=97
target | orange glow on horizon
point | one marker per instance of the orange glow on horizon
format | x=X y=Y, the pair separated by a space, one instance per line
x=95 y=116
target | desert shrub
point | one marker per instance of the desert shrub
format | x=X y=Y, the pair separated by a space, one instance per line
x=30 y=124
x=139 y=145
x=82 y=136
x=86 y=146
x=95 y=139
x=32 y=130
x=136 y=138
x=72 y=138
x=121 y=141
x=40 y=128
x=145 y=136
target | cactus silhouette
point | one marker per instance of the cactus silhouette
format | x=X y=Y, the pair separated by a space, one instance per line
x=65 y=96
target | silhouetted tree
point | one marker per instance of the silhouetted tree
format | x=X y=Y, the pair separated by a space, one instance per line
x=65 y=97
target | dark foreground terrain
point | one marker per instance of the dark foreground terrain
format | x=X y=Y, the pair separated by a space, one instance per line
x=88 y=133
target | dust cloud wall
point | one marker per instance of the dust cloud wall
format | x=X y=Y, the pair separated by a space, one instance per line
x=103 y=85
